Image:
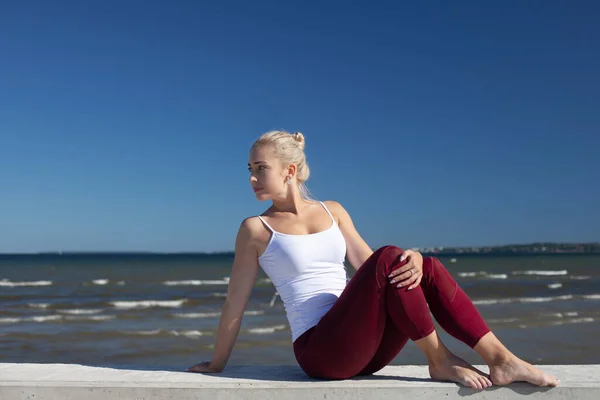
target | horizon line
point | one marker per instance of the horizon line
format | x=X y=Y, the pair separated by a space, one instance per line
x=221 y=252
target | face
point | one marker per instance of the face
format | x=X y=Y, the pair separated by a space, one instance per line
x=267 y=174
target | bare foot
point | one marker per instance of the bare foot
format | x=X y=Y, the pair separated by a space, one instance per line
x=457 y=370
x=517 y=370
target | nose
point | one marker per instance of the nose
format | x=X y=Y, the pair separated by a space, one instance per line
x=253 y=179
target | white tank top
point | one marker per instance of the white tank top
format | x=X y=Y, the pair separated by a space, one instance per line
x=307 y=271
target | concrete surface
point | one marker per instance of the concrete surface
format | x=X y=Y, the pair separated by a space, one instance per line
x=68 y=381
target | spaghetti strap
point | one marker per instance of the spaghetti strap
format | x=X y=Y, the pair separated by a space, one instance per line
x=265 y=222
x=326 y=209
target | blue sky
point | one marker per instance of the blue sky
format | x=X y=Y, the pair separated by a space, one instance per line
x=125 y=125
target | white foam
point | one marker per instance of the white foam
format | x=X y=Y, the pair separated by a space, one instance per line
x=41 y=318
x=267 y=329
x=502 y=320
x=198 y=315
x=522 y=300
x=7 y=283
x=542 y=273
x=144 y=333
x=224 y=281
x=213 y=314
x=38 y=305
x=484 y=302
x=555 y=285
x=10 y=320
x=572 y=314
x=579 y=277
x=121 y=283
x=543 y=299
x=89 y=317
x=100 y=281
x=562 y=315
x=186 y=333
x=591 y=296
x=482 y=274
x=573 y=321
x=148 y=303
x=45 y=318
x=189 y=334
x=81 y=311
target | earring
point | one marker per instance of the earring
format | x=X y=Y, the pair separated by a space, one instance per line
x=289 y=181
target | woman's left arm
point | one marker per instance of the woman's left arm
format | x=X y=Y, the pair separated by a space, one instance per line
x=357 y=250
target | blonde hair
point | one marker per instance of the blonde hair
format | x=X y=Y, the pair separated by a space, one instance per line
x=289 y=149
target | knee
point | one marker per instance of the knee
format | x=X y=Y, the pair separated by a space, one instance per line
x=434 y=273
x=431 y=265
x=388 y=256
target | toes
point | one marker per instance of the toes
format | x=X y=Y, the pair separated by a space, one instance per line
x=484 y=382
x=552 y=381
x=475 y=384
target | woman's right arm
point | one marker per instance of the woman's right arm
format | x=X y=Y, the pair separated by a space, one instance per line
x=242 y=279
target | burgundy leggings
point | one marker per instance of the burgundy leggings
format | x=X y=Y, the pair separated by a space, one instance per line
x=372 y=320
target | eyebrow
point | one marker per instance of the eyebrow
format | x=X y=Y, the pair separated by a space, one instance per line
x=258 y=162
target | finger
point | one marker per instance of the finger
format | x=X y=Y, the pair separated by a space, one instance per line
x=409 y=282
x=405 y=254
x=415 y=283
x=403 y=277
x=408 y=266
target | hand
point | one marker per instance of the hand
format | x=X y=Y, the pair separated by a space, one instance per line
x=409 y=274
x=204 y=367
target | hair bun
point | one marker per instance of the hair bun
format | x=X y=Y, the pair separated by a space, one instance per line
x=299 y=137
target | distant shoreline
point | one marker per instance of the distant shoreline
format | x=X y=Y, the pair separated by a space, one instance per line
x=505 y=250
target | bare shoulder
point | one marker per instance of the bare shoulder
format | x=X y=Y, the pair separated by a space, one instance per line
x=338 y=211
x=254 y=233
x=251 y=226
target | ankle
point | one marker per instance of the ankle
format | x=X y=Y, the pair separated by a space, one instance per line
x=439 y=358
x=500 y=358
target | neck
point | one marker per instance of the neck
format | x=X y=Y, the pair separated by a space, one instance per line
x=292 y=203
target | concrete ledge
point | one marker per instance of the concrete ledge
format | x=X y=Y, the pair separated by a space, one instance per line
x=68 y=381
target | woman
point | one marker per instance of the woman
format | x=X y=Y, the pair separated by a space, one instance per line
x=340 y=329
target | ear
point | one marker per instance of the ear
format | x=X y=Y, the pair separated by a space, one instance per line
x=291 y=170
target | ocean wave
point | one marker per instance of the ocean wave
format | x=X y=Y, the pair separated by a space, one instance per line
x=561 y=315
x=147 y=303
x=591 y=296
x=542 y=273
x=38 y=305
x=81 y=311
x=573 y=321
x=186 y=333
x=224 y=281
x=579 y=277
x=522 y=300
x=89 y=317
x=198 y=315
x=7 y=283
x=40 y=318
x=100 y=281
x=266 y=329
x=556 y=285
x=503 y=320
x=213 y=314
x=482 y=274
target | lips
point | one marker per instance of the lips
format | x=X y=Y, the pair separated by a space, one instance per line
x=257 y=189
